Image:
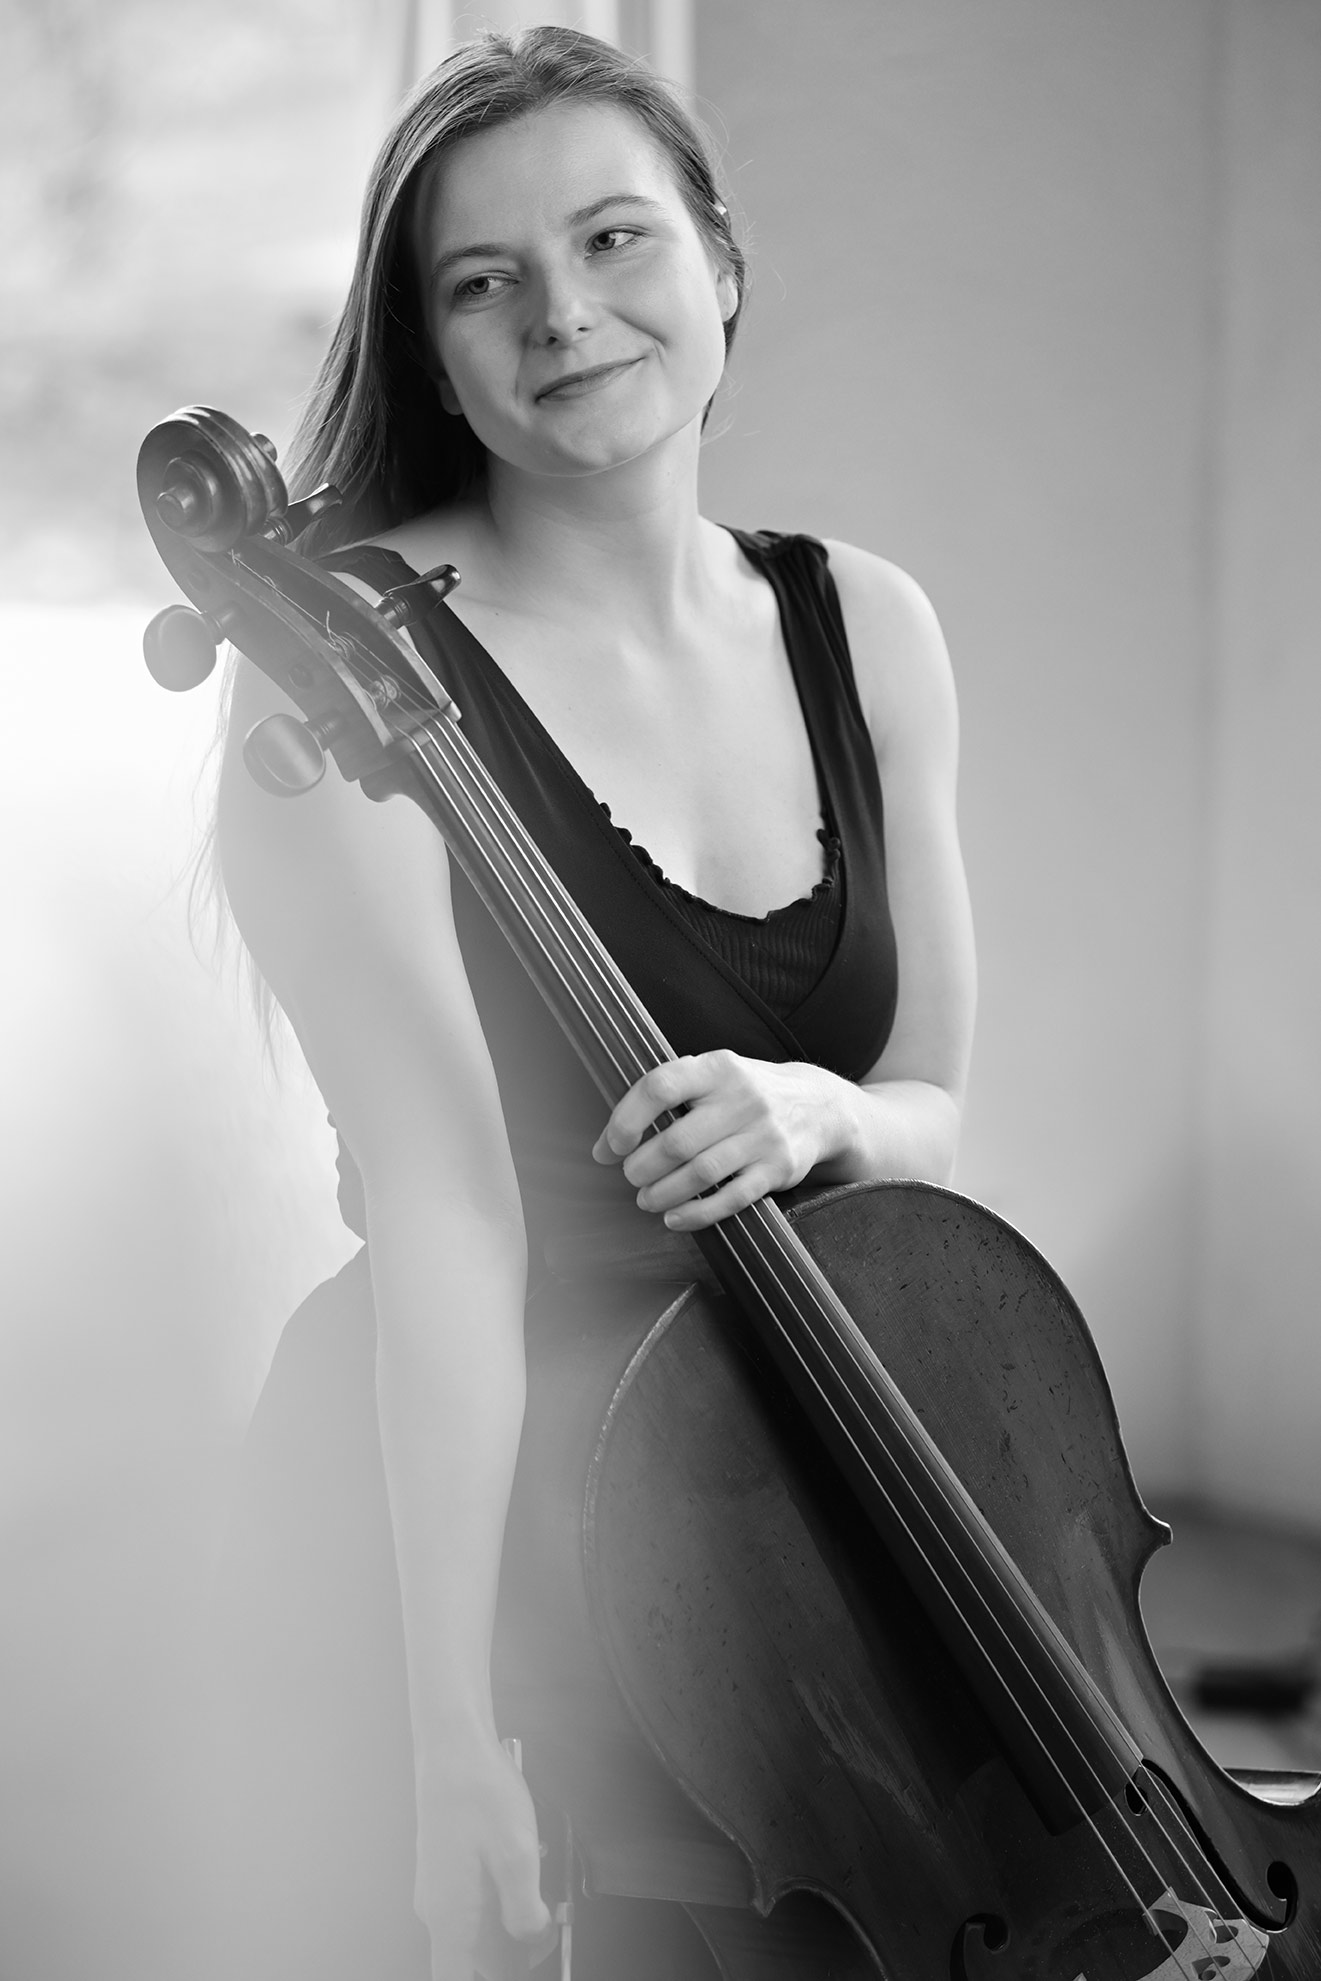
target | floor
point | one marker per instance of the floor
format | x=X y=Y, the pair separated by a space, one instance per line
x=1231 y=1593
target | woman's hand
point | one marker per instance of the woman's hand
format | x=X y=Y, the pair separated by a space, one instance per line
x=478 y=1885
x=750 y=1127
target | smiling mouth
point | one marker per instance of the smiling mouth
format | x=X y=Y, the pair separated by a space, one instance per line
x=580 y=382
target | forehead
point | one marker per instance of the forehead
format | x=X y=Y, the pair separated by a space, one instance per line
x=538 y=170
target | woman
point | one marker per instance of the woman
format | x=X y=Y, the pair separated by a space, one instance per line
x=546 y=292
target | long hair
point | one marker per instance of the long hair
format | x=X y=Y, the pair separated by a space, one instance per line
x=373 y=423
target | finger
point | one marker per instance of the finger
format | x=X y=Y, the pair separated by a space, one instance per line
x=707 y=1170
x=748 y=1187
x=516 y=1875
x=457 y=1929
x=700 y=1128
x=516 y=1934
x=671 y=1085
x=524 y=1914
x=503 y=1954
x=501 y=1959
x=498 y=1958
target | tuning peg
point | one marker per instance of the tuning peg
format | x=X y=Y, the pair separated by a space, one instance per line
x=287 y=757
x=296 y=518
x=404 y=605
x=191 y=497
x=179 y=647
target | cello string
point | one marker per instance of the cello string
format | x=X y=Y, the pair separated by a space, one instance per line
x=491 y=819
x=1194 y=1871
x=624 y=1075
x=424 y=708
x=1120 y=1869
x=492 y=822
x=624 y=1071
x=1118 y=1804
x=775 y=1256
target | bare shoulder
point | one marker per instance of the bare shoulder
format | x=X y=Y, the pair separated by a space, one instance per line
x=900 y=659
x=304 y=874
x=442 y=536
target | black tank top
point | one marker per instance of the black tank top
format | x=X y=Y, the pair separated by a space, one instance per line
x=815 y=980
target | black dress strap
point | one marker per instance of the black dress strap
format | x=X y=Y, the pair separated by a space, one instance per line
x=798 y=569
x=614 y=889
x=699 y=1000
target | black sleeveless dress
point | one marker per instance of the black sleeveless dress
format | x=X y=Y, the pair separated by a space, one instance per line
x=815 y=980
x=319 y=1852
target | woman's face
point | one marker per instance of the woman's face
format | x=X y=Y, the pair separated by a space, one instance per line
x=574 y=311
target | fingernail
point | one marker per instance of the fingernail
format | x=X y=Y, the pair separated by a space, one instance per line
x=674 y=1219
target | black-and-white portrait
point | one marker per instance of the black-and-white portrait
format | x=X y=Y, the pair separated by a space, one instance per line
x=565 y=1409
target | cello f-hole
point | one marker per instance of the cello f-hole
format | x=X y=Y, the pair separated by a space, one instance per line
x=983 y=1941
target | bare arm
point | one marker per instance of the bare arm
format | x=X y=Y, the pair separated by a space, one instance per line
x=345 y=906
x=754 y=1127
x=907 y=692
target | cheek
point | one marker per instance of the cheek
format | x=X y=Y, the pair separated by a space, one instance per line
x=469 y=359
x=458 y=354
x=686 y=317
x=709 y=344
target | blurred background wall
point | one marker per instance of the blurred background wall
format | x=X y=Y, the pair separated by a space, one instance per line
x=1037 y=313
x=1036 y=309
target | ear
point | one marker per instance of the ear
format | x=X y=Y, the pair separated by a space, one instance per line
x=726 y=294
x=449 y=398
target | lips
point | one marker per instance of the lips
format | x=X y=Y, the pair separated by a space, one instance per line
x=574 y=384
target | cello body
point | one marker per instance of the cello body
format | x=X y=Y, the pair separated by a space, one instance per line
x=721 y=1677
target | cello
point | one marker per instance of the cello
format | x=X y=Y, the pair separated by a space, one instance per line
x=819 y=1605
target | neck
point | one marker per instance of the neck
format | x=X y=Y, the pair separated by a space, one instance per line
x=627 y=542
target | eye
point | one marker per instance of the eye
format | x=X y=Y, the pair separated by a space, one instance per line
x=610 y=239
x=480 y=288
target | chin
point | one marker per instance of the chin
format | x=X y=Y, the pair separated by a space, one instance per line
x=619 y=444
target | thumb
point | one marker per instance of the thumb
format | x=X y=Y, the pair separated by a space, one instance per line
x=515 y=1872
x=522 y=1940
x=524 y=1914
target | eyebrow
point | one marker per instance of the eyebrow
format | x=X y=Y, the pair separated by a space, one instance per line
x=476 y=249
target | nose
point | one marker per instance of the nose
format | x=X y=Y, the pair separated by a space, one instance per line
x=563 y=307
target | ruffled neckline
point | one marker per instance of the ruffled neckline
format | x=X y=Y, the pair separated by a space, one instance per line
x=825 y=886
